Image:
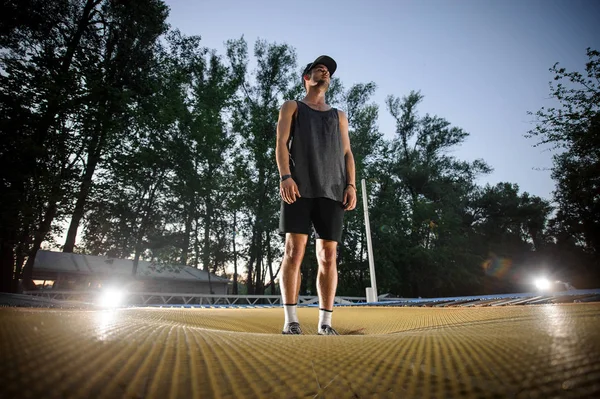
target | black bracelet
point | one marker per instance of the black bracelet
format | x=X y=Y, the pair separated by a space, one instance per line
x=350 y=184
x=285 y=177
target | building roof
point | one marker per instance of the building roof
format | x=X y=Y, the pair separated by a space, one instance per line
x=63 y=262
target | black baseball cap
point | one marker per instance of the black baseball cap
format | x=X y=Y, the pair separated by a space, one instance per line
x=325 y=60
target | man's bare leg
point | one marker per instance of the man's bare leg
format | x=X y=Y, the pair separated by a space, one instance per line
x=327 y=279
x=299 y=283
x=295 y=245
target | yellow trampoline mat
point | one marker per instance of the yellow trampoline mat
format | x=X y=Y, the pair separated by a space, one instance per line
x=541 y=351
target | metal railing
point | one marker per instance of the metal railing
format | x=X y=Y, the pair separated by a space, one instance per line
x=164 y=298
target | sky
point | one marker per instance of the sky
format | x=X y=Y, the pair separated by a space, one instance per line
x=480 y=64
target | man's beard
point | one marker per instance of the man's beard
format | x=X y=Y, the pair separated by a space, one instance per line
x=323 y=82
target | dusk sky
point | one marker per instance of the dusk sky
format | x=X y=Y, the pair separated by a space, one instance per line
x=480 y=64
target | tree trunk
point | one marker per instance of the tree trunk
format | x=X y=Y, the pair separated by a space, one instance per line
x=196 y=243
x=259 y=265
x=136 y=258
x=144 y=222
x=84 y=190
x=206 y=248
x=39 y=237
x=7 y=262
x=270 y=264
x=235 y=269
x=261 y=218
x=9 y=240
x=185 y=246
x=21 y=255
x=250 y=278
x=22 y=248
x=138 y=244
x=414 y=231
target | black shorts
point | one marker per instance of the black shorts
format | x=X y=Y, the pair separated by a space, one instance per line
x=325 y=215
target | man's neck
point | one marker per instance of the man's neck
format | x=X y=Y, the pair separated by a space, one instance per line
x=315 y=97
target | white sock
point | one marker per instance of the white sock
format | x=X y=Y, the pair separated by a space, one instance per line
x=324 y=318
x=290 y=314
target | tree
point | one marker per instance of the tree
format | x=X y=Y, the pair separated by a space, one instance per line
x=41 y=115
x=255 y=121
x=425 y=192
x=572 y=128
x=365 y=140
x=164 y=150
x=213 y=89
x=115 y=75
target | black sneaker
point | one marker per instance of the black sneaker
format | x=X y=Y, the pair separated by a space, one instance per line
x=327 y=330
x=292 y=328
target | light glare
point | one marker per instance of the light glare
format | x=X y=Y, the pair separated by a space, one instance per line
x=111 y=298
x=542 y=283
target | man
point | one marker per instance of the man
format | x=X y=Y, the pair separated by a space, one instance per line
x=317 y=186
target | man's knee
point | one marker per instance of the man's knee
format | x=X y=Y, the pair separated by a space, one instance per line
x=327 y=255
x=294 y=251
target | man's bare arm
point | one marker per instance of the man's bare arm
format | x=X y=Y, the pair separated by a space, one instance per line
x=288 y=188
x=284 y=125
x=350 y=191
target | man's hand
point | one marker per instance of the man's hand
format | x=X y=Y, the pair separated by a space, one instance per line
x=349 y=198
x=289 y=190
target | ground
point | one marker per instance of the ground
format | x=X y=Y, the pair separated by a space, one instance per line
x=384 y=352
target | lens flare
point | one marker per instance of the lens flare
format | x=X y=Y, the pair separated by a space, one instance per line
x=385 y=229
x=496 y=266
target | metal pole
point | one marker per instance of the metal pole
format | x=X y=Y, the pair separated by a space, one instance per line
x=373 y=290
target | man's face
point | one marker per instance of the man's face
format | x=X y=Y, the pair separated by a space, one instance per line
x=320 y=75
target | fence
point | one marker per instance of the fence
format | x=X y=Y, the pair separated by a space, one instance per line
x=163 y=298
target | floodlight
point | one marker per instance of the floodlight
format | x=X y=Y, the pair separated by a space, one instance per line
x=111 y=298
x=542 y=283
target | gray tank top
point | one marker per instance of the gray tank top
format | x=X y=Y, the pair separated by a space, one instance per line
x=316 y=153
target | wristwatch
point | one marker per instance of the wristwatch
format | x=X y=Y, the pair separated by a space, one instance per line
x=285 y=177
